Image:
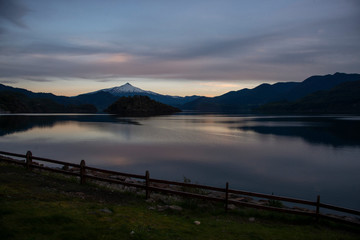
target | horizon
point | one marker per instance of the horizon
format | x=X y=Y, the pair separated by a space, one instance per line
x=164 y=93
x=32 y=89
x=204 y=48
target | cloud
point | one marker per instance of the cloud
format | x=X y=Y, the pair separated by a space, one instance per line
x=49 y=49
x=5 y=81
x=2 y=30
x=13 y=12
x=257 y=47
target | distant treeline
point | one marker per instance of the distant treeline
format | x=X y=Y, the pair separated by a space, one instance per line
x=344 y=98
x=13 y=102
x=140 y=106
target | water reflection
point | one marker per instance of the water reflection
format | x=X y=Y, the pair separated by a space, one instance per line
x=19 y=123
x=334 y=131
x=290 y=156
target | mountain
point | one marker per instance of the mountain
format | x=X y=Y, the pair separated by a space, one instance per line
x=246 y=100
x=343 y=98
x=57 y=99
x=317 y=83
x=242 y=101
x=16 y=102
x=140 y=106
x=102 y=99
x=127 y=90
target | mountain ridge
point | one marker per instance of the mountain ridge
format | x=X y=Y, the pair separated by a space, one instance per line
x=128 y=90
x=102 y=98
x=17 y=102
x=246 y=100
x=240 y=101
x=343 y=98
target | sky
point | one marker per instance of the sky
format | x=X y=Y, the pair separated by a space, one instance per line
x=188 y=47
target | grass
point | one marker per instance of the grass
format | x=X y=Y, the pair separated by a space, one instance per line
x=37 y=205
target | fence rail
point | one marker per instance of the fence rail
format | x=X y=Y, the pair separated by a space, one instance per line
x=151 y=184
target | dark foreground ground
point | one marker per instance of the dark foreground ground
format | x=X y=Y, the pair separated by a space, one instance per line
x=35 y=205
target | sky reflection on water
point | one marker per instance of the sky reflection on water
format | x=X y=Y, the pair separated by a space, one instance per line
x=296 y=157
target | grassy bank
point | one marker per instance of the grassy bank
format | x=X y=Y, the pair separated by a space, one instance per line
x=37 y=205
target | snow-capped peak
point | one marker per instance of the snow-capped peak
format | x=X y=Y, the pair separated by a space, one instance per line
x=126 y=88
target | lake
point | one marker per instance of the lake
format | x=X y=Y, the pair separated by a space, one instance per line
x=294 y=156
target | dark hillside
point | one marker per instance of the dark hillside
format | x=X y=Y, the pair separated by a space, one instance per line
x=15 y=102
x=101 y=100
x=344 y=98
x=247 y=100
x=318 y=83
x=140 y=106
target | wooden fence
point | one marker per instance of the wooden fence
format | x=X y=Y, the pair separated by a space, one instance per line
x=181 y=188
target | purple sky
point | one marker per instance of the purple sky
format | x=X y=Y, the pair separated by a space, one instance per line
x=183 y=47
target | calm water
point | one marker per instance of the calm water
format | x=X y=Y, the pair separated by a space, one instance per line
x=298 y=157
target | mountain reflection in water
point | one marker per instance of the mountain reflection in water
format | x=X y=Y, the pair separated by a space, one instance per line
x=18 y=123
x=334 y=131
x=295 y=156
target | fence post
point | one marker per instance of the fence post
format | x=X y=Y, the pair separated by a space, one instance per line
x=317 y=207
x=147 y=184
x=226 y=196
x=82 y=172
x=28 y=159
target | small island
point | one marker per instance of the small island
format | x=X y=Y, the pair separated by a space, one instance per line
x=140 y=106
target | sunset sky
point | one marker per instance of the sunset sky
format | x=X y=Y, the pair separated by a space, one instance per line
x=187 y=47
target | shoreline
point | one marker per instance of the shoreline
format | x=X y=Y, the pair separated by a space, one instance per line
x=236 y=198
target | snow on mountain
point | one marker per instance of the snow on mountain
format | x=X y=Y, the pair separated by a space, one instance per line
x=129 y=90
x=126 y=89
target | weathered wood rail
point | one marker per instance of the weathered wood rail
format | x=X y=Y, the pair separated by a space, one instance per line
x=157 y=185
